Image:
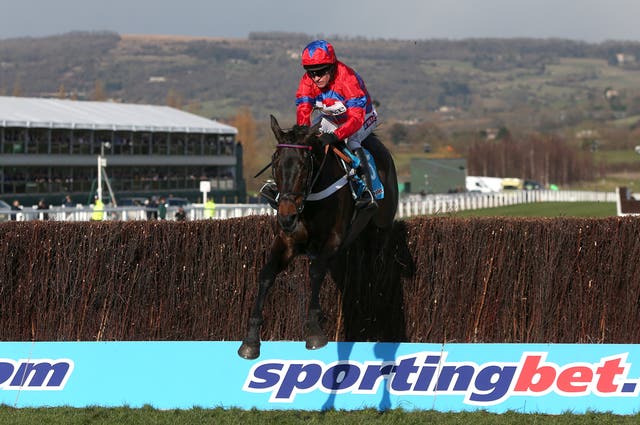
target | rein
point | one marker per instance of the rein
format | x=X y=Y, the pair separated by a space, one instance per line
x=320 y=195
x=282 y=145
x=313 y=178
x=266 y=167
x=287 y=145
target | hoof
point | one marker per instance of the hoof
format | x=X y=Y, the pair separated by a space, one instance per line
x=249 y=350
x=316 y=341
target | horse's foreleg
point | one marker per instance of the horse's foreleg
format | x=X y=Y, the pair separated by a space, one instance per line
x=250 y=348
x=278 y=260
x=315 y=337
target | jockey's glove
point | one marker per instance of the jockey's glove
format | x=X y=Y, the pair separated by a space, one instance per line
x=329 y=139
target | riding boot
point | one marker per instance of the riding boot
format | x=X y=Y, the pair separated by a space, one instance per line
x=366 y=198
x=269 y=192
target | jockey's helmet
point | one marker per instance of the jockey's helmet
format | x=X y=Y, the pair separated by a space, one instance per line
x=318 y=54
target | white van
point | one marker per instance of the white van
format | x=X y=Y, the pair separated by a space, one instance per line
x=483 y=184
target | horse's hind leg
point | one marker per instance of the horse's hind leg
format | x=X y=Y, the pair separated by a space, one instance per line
x=278 y=260
x=315 y=337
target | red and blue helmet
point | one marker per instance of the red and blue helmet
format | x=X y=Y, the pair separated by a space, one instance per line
x=318 y=54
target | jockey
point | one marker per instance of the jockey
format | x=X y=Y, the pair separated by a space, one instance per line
x=346 y=112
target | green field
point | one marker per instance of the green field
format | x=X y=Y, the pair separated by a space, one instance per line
x=147 y=415
x=546 y=209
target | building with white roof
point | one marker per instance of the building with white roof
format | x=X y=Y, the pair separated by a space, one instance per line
x=48 y=148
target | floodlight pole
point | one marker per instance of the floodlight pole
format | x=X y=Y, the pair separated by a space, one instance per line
x=102 y=169
x=102 y=162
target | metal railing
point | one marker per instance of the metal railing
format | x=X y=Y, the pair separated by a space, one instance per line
x=85 y=213
x=414 y=205
x=448 y=203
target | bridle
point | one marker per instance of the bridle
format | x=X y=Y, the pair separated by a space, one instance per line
x=292 y=196
x=311 y=178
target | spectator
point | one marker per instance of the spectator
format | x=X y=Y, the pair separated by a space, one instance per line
x=98 y=210
x=67 y=203
x=209 y=208
x=162 y=209
x=15 y=206
x=152 y=208
x=42 y=205
x=180 y=214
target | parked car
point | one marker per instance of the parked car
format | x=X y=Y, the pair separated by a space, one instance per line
x=532 y=185
x=510 y=183
x=132 y=202
x=177 y=202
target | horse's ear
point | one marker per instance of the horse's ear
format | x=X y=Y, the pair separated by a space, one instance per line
x=275 y=127
x=312 y=134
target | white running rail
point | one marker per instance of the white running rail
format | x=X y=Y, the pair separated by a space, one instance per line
x=411 y=206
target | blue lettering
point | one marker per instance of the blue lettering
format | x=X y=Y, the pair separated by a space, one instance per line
x=372 y=375
x=404 y=370
x=340 y=377
x=264 y=376
x=35 y=374
x=298 y=377
x=493 y=389
x=463 y=375
x=6 y=371
x=426 y=374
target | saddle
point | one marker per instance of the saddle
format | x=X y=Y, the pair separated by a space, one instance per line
x=350 y=163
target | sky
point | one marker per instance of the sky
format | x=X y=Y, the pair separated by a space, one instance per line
x=584 y=20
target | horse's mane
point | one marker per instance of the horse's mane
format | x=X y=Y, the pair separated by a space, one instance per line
x=299 y=132
x=299 y=135
x=300 y=129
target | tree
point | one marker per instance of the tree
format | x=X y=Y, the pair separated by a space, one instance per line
x=546 y=158
x=174 y=99
x=246 y=125
x=427 y=133
x=99 y=93
x=398 y=133
x=17 y=88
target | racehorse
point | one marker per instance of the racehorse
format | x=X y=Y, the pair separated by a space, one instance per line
x=312 y=224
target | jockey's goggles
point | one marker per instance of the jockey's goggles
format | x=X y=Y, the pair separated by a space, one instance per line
x=319 y=72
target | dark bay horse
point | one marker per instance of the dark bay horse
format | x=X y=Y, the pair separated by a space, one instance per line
x=313 y=225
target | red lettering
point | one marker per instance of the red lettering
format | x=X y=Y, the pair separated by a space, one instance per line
x=608 y=373
x=568 y=378
x=534 y=377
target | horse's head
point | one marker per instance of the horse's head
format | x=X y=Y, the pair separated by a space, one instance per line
x=294 y=165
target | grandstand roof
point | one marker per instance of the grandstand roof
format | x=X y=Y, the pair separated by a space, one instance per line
x=62 y=113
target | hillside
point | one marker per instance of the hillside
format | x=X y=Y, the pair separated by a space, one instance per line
x=436 y=92
x=409 y=78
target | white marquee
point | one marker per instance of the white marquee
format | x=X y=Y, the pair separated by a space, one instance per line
x=111 y=116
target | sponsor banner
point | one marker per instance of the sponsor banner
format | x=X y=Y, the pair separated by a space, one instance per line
x=533 y=378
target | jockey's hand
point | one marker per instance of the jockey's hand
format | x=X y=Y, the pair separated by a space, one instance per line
x=329 y=139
